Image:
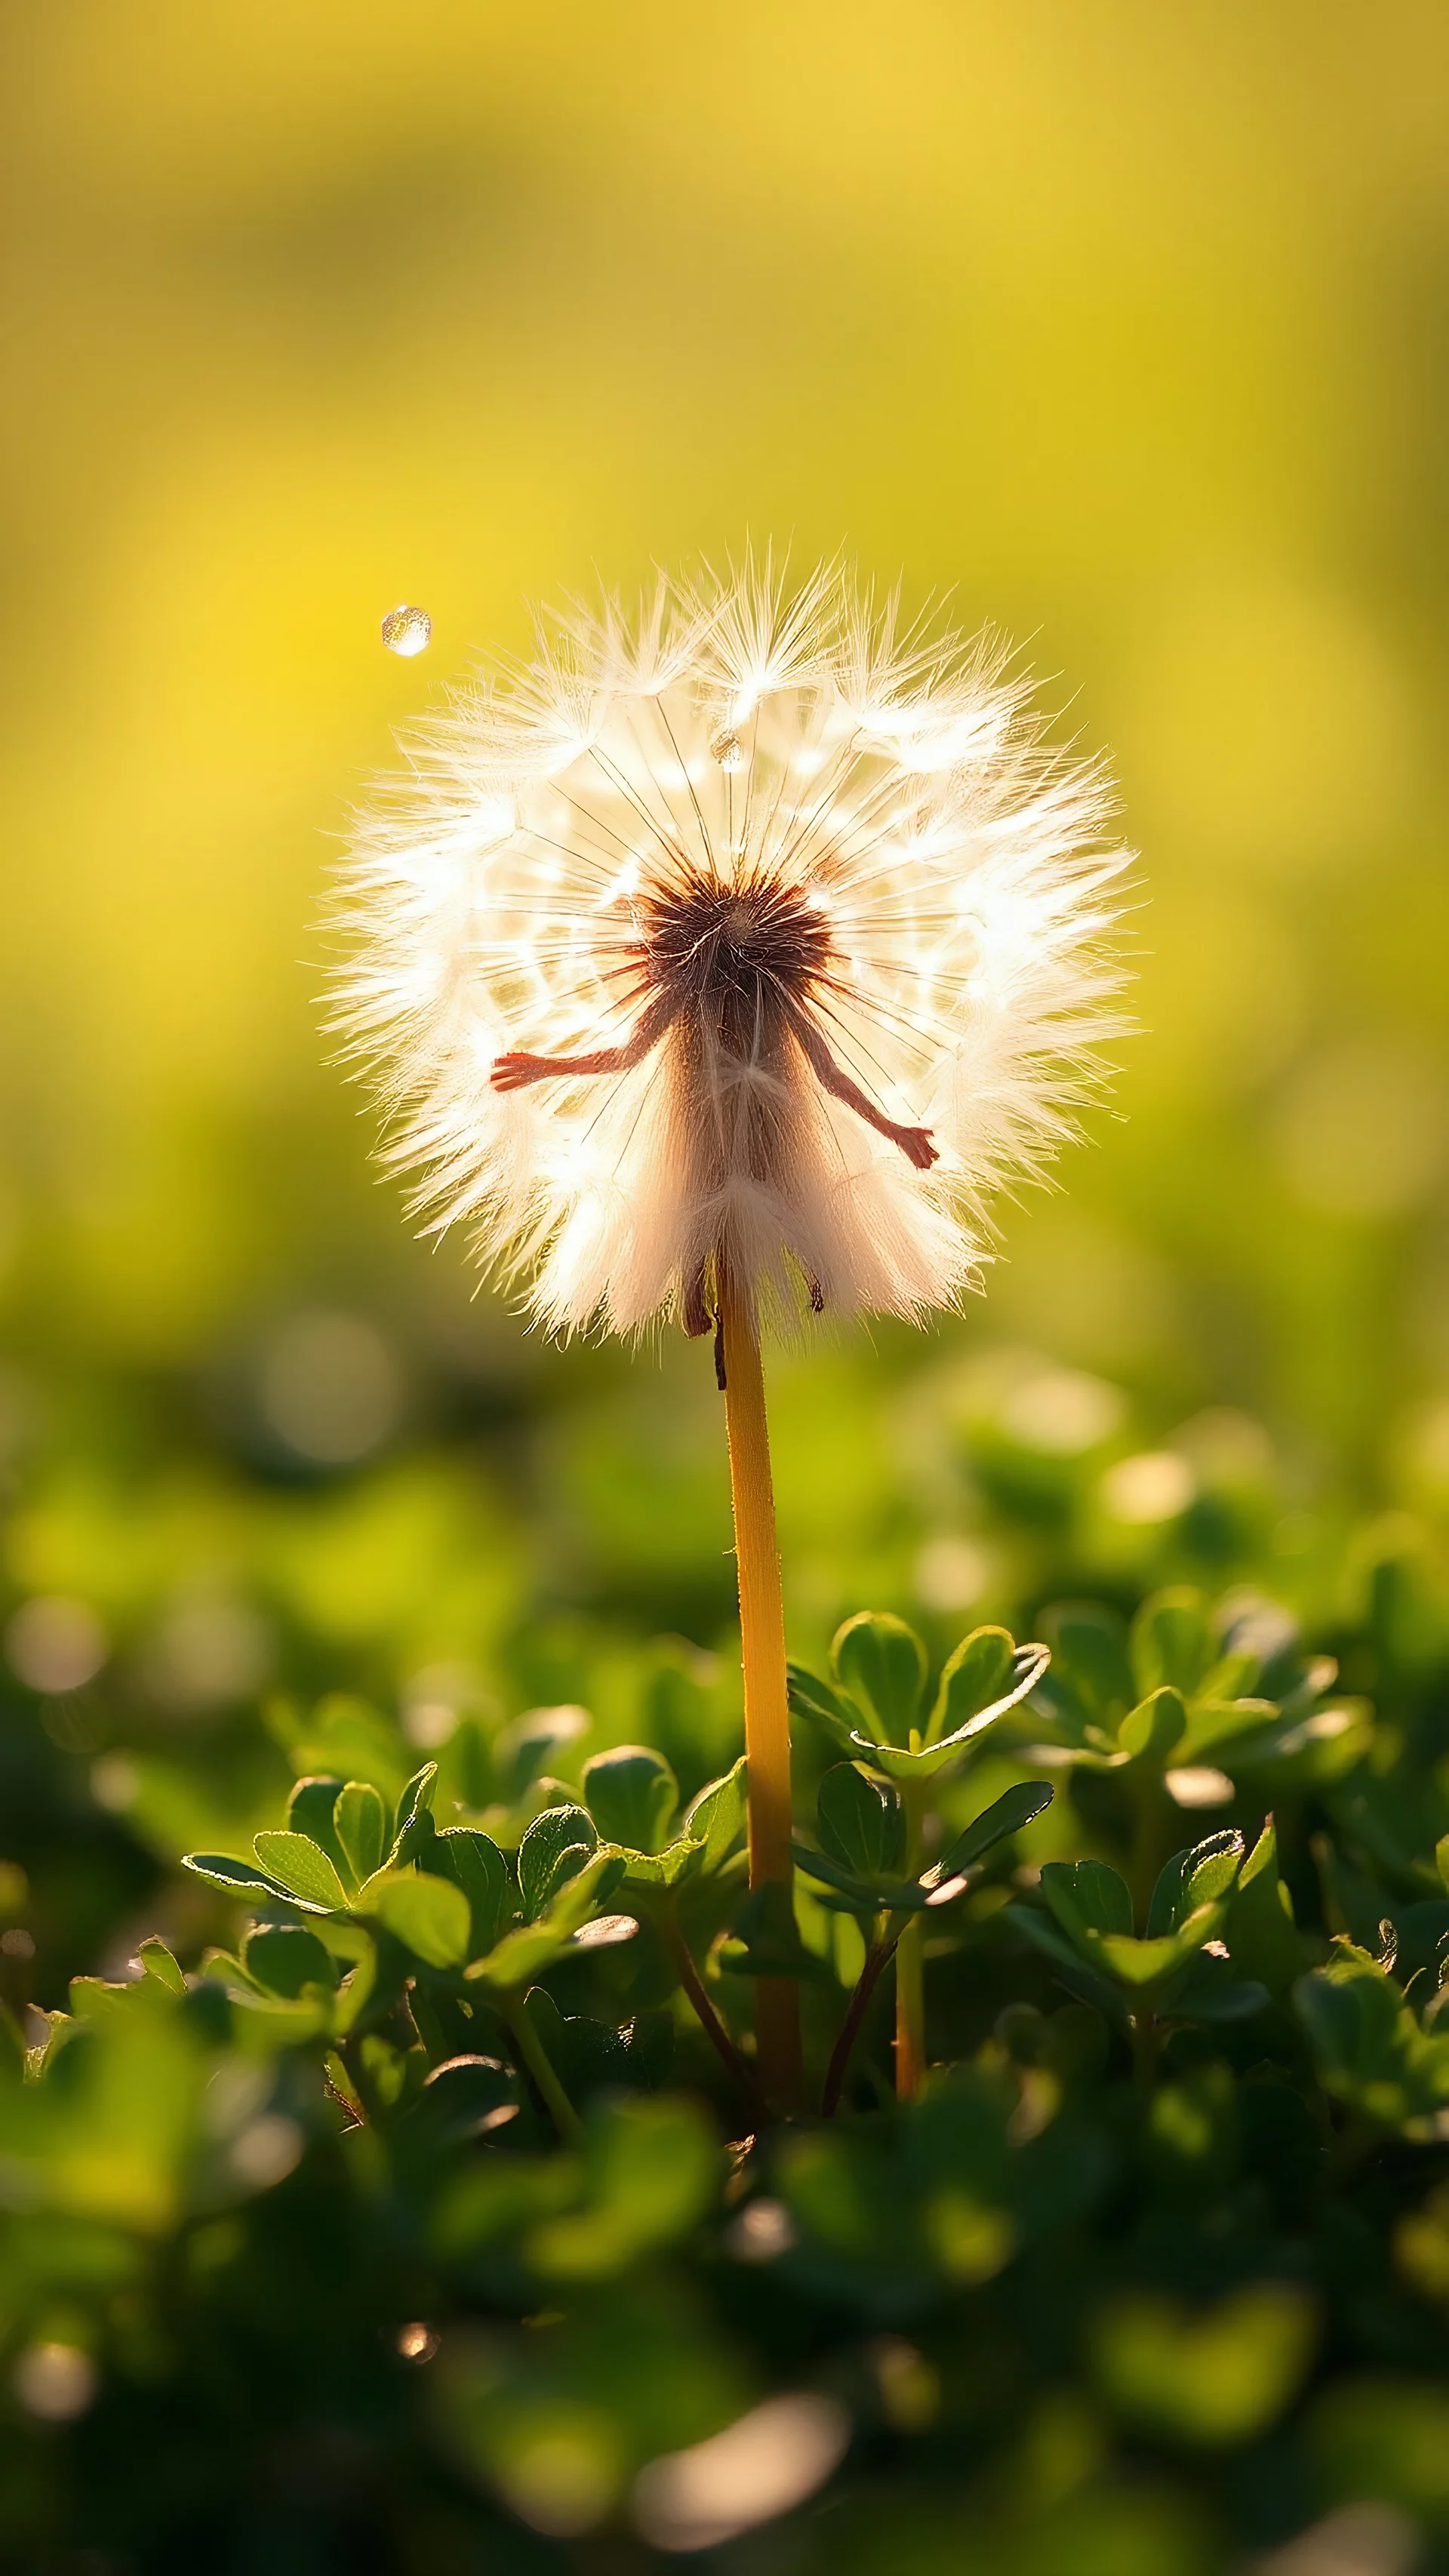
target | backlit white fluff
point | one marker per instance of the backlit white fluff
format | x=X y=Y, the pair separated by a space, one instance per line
x=814 y=890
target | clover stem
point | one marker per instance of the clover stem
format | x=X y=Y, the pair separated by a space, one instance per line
x=709 y=2020
x=540 y=2066
x=911 y=1975
x=762 y=1644
x=855 y=2012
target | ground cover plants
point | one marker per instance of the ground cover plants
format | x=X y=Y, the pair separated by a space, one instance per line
x=428 y=2215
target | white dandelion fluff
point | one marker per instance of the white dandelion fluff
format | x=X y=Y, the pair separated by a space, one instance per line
x=753 y=933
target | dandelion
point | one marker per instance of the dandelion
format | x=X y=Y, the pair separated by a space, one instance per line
x=724 y=964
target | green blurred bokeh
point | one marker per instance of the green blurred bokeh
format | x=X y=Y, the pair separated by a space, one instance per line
x=1122 y=325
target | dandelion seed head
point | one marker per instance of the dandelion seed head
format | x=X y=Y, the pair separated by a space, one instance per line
x=755 y=927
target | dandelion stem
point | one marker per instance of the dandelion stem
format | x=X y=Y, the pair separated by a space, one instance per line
x=762 y=1641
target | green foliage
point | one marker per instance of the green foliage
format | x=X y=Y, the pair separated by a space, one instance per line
x=880 y=1667
x=861 y=1822
x=1156 y=2264
x=1214 y=2377
x=632 y=1795
x=1373 y=2051
x=557 y=1845
x=1167 y=1973
x=284 y=1958
x=974 y=1678
x=716 y=1818
x=863 y=1832
x=1238 y=1695
x=476 y=1865
x=881 y=1663
x=360 y=1821
x=301 y=1868
x=555 y=1925
x=430 y=1916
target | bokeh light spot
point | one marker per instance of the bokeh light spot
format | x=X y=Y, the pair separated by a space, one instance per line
x=1062 y=1412
x=1156 y=1485
x=951 y=1573
x=55 y=1644
x=763 y=2231
x=115 y=1782
x=760 y=2467
x=1198 y=1784
x=208 y=1649
x=606 y=1932
x=330 y=1387
x=267 y=2150
x=1367 y=2539
x=55 y=2381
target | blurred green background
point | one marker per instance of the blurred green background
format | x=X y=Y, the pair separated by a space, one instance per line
x=1124 y=326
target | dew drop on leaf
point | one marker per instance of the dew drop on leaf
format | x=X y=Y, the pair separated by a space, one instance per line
x=406 y=630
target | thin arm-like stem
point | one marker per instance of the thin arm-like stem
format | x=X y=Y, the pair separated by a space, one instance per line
x=515 y=1072
x=710 y=2022
x=762 y=1640
x=914 y=1142
x=855 y=2012
x=540 y=2066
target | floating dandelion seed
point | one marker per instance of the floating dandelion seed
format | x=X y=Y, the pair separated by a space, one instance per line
x=731 y=961
x=407 y=631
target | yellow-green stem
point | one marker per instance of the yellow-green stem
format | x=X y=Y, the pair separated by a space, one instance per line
x=762 y=1644
x=911 y=1979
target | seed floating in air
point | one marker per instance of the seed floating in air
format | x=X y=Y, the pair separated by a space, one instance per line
x=406 y=630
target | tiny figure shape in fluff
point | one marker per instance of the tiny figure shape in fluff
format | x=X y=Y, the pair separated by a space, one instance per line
x=754 y=931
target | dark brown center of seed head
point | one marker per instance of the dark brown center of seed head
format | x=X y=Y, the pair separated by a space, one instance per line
x=707 y=943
